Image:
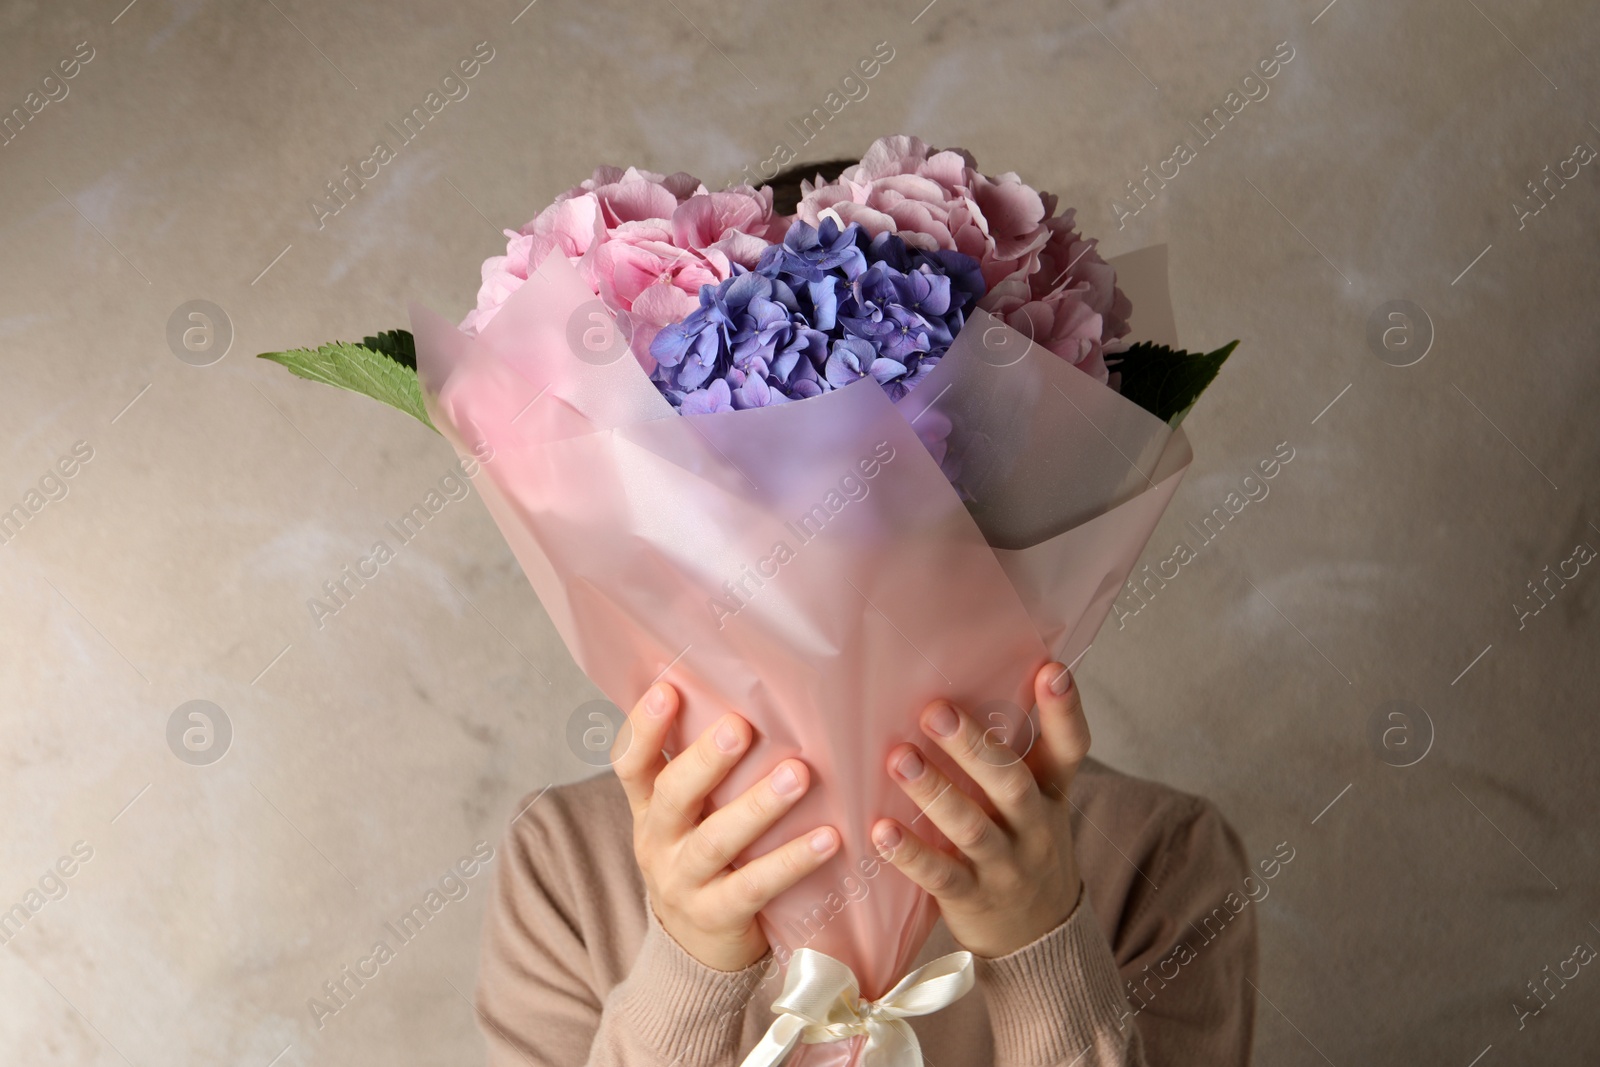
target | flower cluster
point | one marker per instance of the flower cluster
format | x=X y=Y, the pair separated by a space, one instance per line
x=645 y=243
x=727 y=305
x=823 y=309
x=1044 y=279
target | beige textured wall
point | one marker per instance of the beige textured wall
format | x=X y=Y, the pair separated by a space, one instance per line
x=370 y=755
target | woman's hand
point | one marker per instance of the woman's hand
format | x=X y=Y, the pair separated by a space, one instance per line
x=1015 y=878
x=702 y=900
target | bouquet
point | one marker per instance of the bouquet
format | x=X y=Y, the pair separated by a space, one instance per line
x=816 y=466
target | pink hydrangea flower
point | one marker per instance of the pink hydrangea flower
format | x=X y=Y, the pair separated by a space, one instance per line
x=1065 y=298
x=644 y=242
x=1044 y=279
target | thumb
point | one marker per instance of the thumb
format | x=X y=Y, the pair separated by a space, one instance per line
x=1063 y=731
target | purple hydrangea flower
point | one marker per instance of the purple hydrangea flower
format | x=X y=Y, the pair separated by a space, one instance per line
x=823 y=309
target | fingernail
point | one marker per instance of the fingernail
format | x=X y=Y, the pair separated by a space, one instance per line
x=822 y=841
x=1061 y=682
x=725 y=738
x=657 y=700
x=785 y=782
x=943 y=721
x=910 y=766
x=889 y=838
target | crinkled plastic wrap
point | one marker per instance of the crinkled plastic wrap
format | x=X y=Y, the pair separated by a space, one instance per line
x=809 y=565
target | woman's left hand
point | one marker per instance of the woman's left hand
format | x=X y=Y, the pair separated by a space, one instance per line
x=1015 y=878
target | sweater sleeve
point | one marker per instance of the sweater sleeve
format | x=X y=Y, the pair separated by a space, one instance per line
x=537 y=1000
x=674 y=1009
x=1055 y=1000
x=1185 y=953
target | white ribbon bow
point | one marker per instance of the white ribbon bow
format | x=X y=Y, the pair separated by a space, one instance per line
x=821 y=1001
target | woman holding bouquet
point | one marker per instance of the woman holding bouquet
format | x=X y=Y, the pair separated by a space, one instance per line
x=723 y=505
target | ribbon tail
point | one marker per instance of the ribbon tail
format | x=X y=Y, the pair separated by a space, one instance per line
x=892 y=1043
x=776 y=1044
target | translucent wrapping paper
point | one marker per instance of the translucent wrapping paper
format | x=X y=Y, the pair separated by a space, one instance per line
x=810 y=565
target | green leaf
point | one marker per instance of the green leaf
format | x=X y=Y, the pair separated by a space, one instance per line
x=398 y=345
x=385 y=369
x=1166 y=382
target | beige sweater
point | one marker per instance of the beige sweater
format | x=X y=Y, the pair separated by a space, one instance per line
x=1151 y=968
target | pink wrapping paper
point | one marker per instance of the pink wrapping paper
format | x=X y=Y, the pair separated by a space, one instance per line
x=810 y=566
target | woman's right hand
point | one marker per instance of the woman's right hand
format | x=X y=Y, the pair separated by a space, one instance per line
x=707 y=904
